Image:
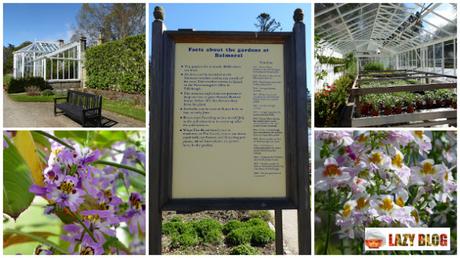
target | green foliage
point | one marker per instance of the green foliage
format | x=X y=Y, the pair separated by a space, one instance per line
x=256 y=222
x=16 y=181
x=186 y=234
x=254 y=231
x=262 y=214
x=47 y=92
x=209 y=231
x=330 y=60
x=374 y=66
x=7 y=80
x=117 y=65
x=232 y=225
x=186 y=239
x=244 y=250
x=262 y=235
x=20 y=85
x=239 y=236
x=329 y=102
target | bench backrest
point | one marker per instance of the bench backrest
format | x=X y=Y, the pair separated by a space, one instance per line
x=83 y=99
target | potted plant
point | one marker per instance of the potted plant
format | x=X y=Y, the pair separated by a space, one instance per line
x=364 y=107
x=374 y=109
x=388 y=105
x=419 y=101
x=429 y=99
x=454 y=101
x=410 y=102
x=397 y=109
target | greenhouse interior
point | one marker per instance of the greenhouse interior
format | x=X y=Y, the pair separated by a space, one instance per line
x=385 y=64
x=51 y=60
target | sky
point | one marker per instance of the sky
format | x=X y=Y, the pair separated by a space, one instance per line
x=22 y=22
x=233 y=17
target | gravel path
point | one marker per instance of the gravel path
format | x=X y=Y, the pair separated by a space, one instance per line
x=41 y=114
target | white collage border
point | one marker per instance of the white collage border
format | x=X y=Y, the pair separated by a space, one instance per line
x=310 y=80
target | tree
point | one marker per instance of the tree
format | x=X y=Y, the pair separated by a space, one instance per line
x=267 y=24
x=8 y=56
x=109 y=21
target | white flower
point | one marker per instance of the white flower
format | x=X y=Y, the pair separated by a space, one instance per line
x=331 y=175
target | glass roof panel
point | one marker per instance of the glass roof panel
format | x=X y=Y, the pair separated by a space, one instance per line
x=395 y=25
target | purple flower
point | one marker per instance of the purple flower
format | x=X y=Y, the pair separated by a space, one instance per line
x=135 y=215
x=66 y=194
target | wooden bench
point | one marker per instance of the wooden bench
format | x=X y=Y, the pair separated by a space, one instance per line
x=81 y=107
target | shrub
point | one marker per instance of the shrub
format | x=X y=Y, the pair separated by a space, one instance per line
x=47 y=92
x=186 y=239
x=244 y=250
x=374 y=66
x=239 y=236
x=32 y=91
x=117 y=65
x=264 y=215
x=255 y=222
x=7 y=80
x=232 y=225
x=20 y=85
x=208 y=230
x=175 y=226
x=262 y=235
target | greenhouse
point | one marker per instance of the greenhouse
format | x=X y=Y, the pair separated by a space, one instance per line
x=385 y=64
x=53 y=61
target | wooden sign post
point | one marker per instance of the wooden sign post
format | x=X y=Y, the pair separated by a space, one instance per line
x=228 y=124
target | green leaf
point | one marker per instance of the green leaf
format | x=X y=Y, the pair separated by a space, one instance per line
x=16 y=182
x=13 y=239
x=78 y=136
x=35 y=237
x=41 y=139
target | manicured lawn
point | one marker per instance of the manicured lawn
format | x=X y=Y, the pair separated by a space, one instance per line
x=24 y=98
x=122 y=108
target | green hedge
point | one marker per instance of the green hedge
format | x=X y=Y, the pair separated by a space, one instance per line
x=20 y=85
x=117 y=65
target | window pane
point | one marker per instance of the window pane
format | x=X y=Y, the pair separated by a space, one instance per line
x=449 y=54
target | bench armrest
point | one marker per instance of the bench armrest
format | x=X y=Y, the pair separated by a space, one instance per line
x=56 y=99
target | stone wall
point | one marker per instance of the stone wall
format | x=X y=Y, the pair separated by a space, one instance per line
x=63 y=86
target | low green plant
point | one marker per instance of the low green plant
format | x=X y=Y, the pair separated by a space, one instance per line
x=244 y=250
x=20 y=85
x=239 y=236
x=232 y=225
x=256 y=222
x=47 y=92
x=374 y=66
x=186 y=239
x=262 y=214
x=262 y=235
x=208 y=230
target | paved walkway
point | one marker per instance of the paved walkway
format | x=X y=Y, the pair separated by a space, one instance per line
x=291 y=242
x=41 y=114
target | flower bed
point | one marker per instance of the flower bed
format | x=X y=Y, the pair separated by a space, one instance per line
x=382 y=179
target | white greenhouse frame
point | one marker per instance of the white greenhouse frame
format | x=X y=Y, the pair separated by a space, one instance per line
x=398 y=35
x=53 y=61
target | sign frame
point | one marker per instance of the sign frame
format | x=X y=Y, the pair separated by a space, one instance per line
x=161 y=129
x=191 y=204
